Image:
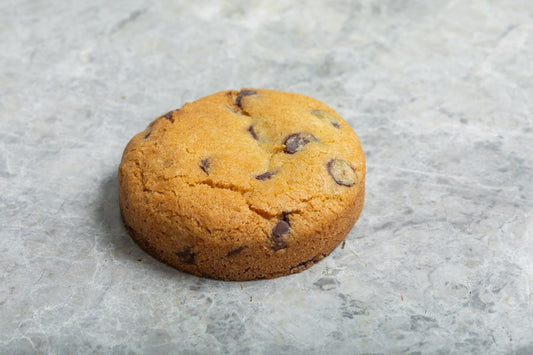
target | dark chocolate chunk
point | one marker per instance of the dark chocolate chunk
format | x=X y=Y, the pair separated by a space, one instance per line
x=277 y=237
x=325 y=116
x=306 y=264
x=242 y=94
x=168 y=115
x=186 y=255
x=302 y=266
x=342 y=172
x=205 y=164
x=295 y=142
x=236 y=251
x=285 y=217
x=265 y=176
x=252 y=132
x=147 y=135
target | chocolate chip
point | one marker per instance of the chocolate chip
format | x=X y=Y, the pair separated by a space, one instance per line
x=265 y=176
x=242 y=94
x=302 y=266
x=326 y=116
x=342 y=172
x=186 y=255
x=236 y=251
x=252 y=132
x=168 y=115
x=147 y=135
x=295 y=142
x=205 y=164
x=285 y=217
x=306 y=264
x=277 y=237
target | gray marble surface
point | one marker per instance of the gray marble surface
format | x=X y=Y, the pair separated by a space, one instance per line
x=440 y=93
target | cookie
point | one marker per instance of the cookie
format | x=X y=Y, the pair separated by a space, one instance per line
x=243 y=185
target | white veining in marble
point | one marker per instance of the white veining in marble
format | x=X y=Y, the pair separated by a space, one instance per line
x=440 y=93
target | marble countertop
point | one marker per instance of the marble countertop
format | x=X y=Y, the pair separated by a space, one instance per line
x=440 y=93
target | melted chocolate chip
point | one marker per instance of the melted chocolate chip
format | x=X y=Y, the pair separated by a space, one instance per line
x=205 y=164
x=236 y=251
x=252 y=132
x=242 y=94
x=265 y=176
x=325 y=116
x=186 y=255
x=277 y=237
x=295 y=142
x=342 y=172
x=168 y=115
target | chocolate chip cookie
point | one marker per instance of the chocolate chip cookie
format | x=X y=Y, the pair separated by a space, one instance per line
x=243 y=185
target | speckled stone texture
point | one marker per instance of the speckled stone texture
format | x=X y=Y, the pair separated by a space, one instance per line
x=439 y=92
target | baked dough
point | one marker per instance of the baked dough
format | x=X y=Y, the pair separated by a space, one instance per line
x=242 y=185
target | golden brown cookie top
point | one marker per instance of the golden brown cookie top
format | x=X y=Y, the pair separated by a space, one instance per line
x=251 y=156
